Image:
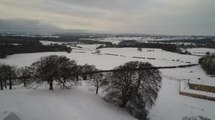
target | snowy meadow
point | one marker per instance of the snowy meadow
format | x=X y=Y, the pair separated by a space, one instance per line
x=81 y=103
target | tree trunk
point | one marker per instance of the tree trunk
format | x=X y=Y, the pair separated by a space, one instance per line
x=51 y=85
x=5 y=83
x=24 y=82
x=97 y=90
x=124 y=102
x=64 y=80
x=91 y=76
x=10 y=83
x=2 y=86
x=85 y=76
x=77 y=78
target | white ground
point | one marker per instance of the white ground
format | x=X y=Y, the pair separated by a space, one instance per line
x=68 y=44
x=200 y=51
x=51 y=42
x=77 y=102
x=184 y=87
x=172 y=106
x=117 y=40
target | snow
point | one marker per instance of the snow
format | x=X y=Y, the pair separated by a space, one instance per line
x=143 y=39
x=6 y=115
x=103 y=61
x=170 y=105
x=185 y=88
x=75 y=104
x=153 y=53
x=200 y=51
x=64 y=104
x=117 y=40
x=89 y=47
x=194 y=74
x=68 y=44
x=207 y=82
x=44 y=42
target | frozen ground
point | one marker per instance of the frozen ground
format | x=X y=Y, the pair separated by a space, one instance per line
x=200 y=51
x=51 y=42
x=106 y=60
x=184 y=88
x=172 y=106
x=88 y=47
x=169 y=105
x=117 y=40
x=75 y=104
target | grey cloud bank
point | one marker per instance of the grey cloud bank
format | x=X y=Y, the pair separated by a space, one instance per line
x=180 y=17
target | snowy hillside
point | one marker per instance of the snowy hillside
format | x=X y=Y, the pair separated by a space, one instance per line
x=75 y=104
x=200 y=51
x=81 y=104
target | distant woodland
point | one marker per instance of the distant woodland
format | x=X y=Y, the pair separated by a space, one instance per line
x=30 y=44
x=13 y=45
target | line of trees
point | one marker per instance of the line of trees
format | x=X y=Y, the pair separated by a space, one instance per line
x=9 y=49
x=48 y=69
x=13 y=45
x=7 y=73
x=26 y=44
x=167 y=47
x=208 y=63
x=132 y=89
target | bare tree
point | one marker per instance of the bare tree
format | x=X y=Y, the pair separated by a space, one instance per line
x=8 y=73
x=1 y=77
x=98 y=80
x=87 y=69
x=54 y=68
x=25 y=73
x=77 y=71
x=134 y=90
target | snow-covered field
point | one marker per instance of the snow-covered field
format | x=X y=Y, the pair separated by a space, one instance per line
x=68 y=44
x=44 y=42
x=172 y=106
x=81 y=104
x=75 y=104
x=200 y=51
x=117 y=40
x=106 y=60
x=88 y=47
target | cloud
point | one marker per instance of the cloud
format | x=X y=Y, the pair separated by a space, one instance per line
x=142 y=16
x=20 y=25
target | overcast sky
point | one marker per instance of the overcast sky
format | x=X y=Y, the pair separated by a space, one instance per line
x=180 y=17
